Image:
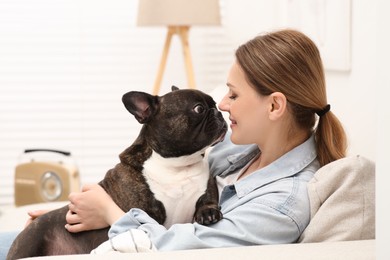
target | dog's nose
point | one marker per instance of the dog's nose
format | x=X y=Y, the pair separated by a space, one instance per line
x=215 y=111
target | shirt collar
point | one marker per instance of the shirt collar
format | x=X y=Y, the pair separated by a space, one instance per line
x=287 y=165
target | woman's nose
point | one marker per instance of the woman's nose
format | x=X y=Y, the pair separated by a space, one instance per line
x=224 y=104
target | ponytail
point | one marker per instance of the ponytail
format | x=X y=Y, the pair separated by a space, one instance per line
x=330 y=138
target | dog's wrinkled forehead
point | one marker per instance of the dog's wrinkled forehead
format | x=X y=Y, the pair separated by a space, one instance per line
x=188 y=97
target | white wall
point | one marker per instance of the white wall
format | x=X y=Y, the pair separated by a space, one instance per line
x=383 y=129
x=353 y=94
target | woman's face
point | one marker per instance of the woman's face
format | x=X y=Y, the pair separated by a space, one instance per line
x=248 y=110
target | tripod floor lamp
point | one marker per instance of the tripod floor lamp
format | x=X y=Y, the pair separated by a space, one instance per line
x=178 y=16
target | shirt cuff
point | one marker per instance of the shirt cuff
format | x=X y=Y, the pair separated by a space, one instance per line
x=133 y=219
x=132 y=241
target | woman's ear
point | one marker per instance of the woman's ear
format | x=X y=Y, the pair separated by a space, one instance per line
x=278 y=105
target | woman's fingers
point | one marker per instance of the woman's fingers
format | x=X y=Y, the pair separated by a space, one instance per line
x=74 y=224
x=75 y=228
x=34 y=214
x=72 y=218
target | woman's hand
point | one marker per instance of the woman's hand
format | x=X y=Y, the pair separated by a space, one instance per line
x=91 y=209
x=34 y=214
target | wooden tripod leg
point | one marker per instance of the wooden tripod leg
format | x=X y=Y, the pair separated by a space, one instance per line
x=183 y=32
x=163 y=62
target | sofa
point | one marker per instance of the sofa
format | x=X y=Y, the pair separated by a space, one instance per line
x=342 y=226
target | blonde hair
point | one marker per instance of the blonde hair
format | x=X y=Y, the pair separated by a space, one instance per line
x=289 y=62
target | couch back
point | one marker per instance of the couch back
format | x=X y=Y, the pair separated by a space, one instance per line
x=342 y=201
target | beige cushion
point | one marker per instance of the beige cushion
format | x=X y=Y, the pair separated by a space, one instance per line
x=342 y=198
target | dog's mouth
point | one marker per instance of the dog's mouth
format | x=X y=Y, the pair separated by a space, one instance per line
x=221 y=136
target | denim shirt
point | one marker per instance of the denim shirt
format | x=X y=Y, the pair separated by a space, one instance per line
x=269 y=206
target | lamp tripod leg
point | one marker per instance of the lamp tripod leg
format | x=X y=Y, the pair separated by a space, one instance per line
x=183 y=32
x=163 y=62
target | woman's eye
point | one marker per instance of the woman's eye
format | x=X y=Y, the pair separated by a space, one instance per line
x=233 y=97
x=199 y=109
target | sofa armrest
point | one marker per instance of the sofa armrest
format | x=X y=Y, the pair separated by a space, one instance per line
x=14 y=218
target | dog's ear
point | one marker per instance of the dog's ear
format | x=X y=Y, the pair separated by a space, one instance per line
x=174 y=88
x=140 y=104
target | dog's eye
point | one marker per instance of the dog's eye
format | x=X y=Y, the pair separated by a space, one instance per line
x=199 y=109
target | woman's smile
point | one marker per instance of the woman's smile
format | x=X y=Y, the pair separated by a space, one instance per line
x=233 y=123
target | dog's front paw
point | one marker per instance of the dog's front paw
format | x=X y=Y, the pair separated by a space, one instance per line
x=207 y=215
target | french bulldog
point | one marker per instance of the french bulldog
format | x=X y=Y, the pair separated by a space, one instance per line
x=164 y=172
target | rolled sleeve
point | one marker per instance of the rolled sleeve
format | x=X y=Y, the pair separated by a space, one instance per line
x=249 y=224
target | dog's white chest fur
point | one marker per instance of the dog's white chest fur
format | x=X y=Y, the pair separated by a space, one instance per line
x=177 y=183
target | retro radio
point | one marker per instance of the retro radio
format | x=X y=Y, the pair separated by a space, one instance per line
x=45 y=180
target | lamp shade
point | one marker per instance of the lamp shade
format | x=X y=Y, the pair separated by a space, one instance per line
x=178 y=12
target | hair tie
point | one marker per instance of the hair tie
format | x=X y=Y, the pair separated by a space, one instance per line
x=323 y=111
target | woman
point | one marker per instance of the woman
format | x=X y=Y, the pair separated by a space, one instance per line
x=276 y=87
